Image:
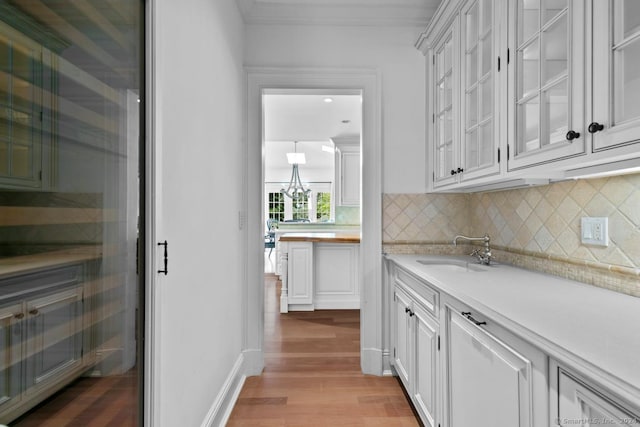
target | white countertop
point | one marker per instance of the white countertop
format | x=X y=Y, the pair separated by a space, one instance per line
x=566 y=319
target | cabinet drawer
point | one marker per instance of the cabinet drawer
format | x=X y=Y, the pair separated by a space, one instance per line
x=418 y=289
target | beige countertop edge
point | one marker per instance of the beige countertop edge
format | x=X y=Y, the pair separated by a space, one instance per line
x=321 y=237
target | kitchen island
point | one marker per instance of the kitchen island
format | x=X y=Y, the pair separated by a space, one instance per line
x=320 y=270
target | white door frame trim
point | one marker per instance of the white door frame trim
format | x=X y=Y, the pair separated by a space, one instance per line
x=369 y=82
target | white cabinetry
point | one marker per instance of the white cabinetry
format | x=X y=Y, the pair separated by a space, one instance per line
x=547 y=81
x=583 y=403
x=53 y=336
x=523 y=91
x=320 y=275
x=347 y=169
x=494 y=379
x=616 y=73
x=416 y=345
x=466 y=93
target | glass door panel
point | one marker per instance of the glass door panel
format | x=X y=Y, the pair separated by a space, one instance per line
x=479 y=98
x=70 y=115
x=546 y=71
x=444 y=151
x=616 y=112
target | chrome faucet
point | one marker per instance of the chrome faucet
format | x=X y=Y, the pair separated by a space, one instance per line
x=483 y=256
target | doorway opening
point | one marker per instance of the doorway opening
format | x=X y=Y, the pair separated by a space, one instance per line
x=367 y=83
x=323 y=129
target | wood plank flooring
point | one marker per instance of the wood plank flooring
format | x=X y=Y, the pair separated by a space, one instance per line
x=89 y=402
x=312 y=375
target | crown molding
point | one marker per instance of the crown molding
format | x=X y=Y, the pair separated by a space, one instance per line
x=416 y=13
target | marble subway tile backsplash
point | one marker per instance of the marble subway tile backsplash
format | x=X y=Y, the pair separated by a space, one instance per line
x=536 y=228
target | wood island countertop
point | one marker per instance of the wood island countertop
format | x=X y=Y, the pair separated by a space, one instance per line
x=321 y=237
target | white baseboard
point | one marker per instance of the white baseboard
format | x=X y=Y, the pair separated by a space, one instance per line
x=226 y=399
x=336 y=304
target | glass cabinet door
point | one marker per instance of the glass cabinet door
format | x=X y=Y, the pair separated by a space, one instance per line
x=479 y=139
x=549 y=80
x=445 y=150
x=616 y=73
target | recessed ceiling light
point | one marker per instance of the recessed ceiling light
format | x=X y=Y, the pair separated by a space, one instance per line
x=328 y=100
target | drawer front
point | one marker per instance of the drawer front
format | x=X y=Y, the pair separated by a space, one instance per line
x=420 y=290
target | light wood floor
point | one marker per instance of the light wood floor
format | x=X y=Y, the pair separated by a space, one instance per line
x=89 y=402
x=312 y=375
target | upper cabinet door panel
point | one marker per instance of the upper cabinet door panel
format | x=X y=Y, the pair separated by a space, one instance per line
x=445 y=137
x=480 y=89
x=547 y=44
x=616 y=73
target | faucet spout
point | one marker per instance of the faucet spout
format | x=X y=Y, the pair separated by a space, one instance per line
x=484 y=256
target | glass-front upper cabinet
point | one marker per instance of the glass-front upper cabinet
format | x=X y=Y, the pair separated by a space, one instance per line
x=480 y=90
x=444 y=110
x=616 y=73
x=547 y=102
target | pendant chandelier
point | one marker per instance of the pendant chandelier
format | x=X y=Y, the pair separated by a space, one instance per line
x=295 y=190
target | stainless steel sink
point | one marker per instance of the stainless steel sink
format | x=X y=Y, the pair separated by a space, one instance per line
x=451 y=264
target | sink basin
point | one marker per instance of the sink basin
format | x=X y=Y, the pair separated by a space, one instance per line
x=451 y=264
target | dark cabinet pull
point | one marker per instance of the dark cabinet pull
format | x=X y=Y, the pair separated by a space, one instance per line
x=571 y=135
x=18 y=315
x=166 y=258
x=460 y=170
x=407 y=309
x=468 y=315
x=411 y=314
x=34 y=311
x=595 y=127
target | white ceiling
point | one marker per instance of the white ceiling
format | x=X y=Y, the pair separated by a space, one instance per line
x=339 y=12
x=307 y=118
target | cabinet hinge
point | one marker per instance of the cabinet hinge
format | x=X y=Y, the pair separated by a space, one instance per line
x=433 y=59
x=40 y=176
x=498 y=155
x=508 y=56
x=508 y=151
x=433 y=118
x=438 y=342
x=81 y=352
x=41 y=115
x=394 y=352
x=498 y=64
x=394 y=297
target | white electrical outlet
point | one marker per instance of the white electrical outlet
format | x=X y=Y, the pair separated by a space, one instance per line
x=595 y=231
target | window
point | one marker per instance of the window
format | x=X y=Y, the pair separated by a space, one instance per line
x=323 y=207
x=300 y=208
x=276 y=206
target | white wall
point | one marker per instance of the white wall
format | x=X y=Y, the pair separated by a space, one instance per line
x=200 y=182
x=388 y=49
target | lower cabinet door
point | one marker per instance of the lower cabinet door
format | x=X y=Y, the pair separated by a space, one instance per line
x=489 y=381
x=54 y=336
x=11 y=333
x=426 y=367
x=580 y=405
x=402 y=333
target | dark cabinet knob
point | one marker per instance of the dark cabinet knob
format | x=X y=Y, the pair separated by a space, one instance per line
x=460 y=170
x=453 y=172
x=407 y=309
x=411 y=314
x=595 y=127
x=571 y=135
x=18 y=315
x=34 y=312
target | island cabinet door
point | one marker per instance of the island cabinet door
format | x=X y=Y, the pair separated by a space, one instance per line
x=11 y=333
x=300 y=272
x=492 y=379
x=54 y=336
